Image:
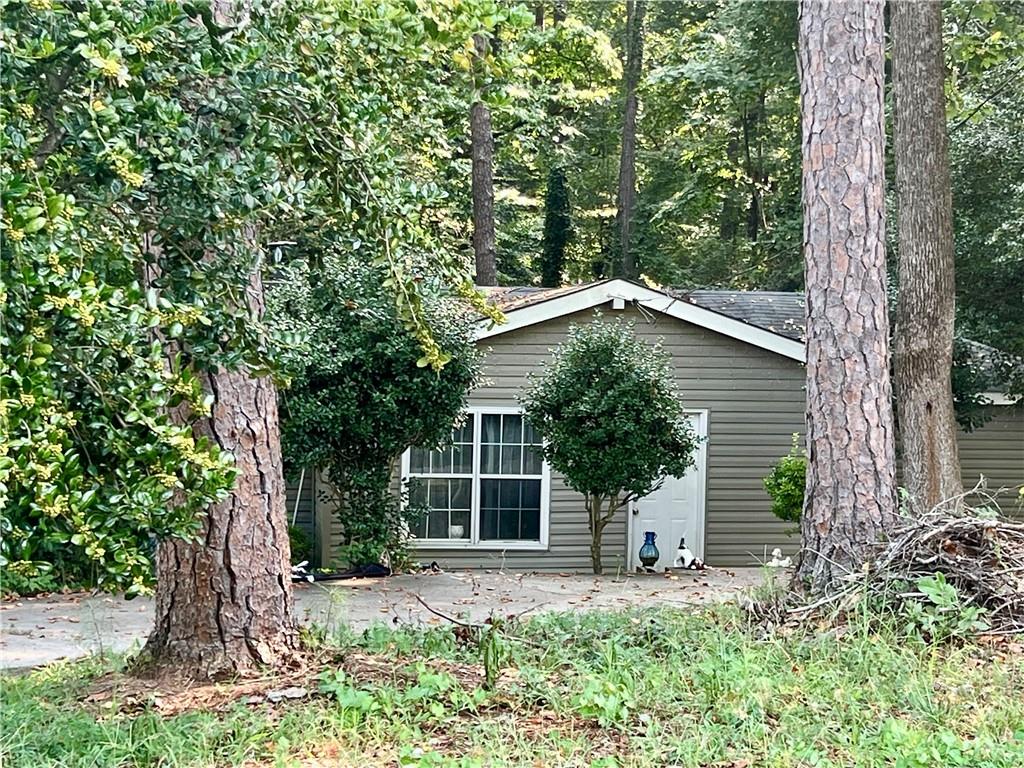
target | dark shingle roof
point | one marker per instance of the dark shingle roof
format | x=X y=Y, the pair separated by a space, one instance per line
x=776 y=311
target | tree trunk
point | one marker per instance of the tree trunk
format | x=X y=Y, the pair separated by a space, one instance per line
x=596 y=532
x=224 y=602
x=850 y=499
x=925 y=307
x=482 y=150
x=626 y=202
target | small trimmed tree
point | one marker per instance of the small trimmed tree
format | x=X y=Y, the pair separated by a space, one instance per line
x=611 y=418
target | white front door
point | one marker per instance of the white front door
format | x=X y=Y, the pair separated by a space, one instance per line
x=675 y=510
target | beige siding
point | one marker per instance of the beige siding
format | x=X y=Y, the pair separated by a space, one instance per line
x=755 y=402
x=996 y=451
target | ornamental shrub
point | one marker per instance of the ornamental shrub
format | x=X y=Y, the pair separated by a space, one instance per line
x=361 y=393
x=786 y=483
x=611 y=417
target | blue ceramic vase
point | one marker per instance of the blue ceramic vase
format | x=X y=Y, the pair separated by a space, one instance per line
x=649 y=553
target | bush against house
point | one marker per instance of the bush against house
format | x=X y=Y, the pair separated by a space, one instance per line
x=612 y=419
x=786 y=482
x=361 y=394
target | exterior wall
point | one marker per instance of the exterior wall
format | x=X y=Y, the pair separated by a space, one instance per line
x=996 y=451
x=754 y=400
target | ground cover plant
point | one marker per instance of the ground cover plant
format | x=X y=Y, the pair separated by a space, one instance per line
x=648 y=687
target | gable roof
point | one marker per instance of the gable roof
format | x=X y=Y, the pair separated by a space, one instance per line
x=771 y=320
x=757 y=325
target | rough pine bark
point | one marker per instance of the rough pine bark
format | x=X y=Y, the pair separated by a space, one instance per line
x=850 y=498
x=626 y=202
x=224 y=601
x=482 y=151
x=926 y=306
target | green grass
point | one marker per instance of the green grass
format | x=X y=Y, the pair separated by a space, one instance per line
x=646 y=688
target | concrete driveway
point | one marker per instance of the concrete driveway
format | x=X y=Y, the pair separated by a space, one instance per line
x=36 y=631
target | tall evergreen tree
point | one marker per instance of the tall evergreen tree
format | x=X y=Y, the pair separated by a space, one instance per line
x=851 y=481
x=557 y=228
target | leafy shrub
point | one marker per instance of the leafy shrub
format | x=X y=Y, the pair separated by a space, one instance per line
x=786 y=483
x=612 y=419
x=362 y=391
x=301 y=544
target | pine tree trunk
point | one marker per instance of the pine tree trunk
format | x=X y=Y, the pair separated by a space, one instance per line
x=925 y=307
x=224 y=602
x=482 y=150
x=626 y=203
x=850 y=499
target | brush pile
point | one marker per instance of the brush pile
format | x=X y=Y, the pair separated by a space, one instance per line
x=982 y=557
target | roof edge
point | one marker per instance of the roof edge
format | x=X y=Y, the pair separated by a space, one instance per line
x=621 y=290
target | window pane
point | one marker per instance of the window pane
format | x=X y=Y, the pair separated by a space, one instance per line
x=418 y=460
x=438 y=495
x=491 y=428
x=489 y=494
x=511 y=460
x=441 y=461
x=509 y=493
x=533 y=461
x=531 y=494
x=488 y=523
x=462 y=460
x=490 y=463
x=512 y=429
x=531 y=436
x=529 y=524
x=464 y=434
x=420 y=529
x=437 y=524
x=508 y=524
x=461 y=492
x=459 y=519
x=418 y=491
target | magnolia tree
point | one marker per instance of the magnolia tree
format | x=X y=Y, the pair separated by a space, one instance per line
x=611 y=418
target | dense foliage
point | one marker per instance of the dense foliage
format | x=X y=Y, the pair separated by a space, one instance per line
x=612 y=420
x=149 y=157
x=358 y=397
x=786 y=482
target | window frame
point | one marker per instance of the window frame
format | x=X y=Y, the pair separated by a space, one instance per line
x=477 y=412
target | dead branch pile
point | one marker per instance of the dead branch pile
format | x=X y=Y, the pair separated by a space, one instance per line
x=983 y=557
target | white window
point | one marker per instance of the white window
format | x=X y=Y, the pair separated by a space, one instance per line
x=488 y=490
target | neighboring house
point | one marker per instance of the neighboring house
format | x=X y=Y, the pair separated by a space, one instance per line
x=738 y=358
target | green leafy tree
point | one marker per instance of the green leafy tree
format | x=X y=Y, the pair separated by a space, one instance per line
x=557 y=228
x=611 y=417
x=361 y=394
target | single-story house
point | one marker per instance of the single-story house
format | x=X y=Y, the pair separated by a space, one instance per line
x=739 y=362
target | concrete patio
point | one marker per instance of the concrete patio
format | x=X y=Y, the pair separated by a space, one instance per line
x=36 y=631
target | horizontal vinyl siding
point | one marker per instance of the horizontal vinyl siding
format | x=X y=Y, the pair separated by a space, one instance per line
x=755 y=403
x=996 y=451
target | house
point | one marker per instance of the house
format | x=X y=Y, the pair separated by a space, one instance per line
x=738 y=358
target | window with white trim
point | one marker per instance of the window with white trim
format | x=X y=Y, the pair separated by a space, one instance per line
x=488 y=489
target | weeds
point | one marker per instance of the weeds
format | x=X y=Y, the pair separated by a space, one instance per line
x=639 y=689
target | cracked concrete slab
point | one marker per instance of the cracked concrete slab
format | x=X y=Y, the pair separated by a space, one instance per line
x=37 y=631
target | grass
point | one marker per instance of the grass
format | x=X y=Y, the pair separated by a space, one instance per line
x=642 y=688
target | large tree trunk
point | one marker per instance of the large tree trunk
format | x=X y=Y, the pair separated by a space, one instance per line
x=850 y=499
x=482 y=150
x=557 y=210
x=626 y=202
x=925 y=307
x=224 y=602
